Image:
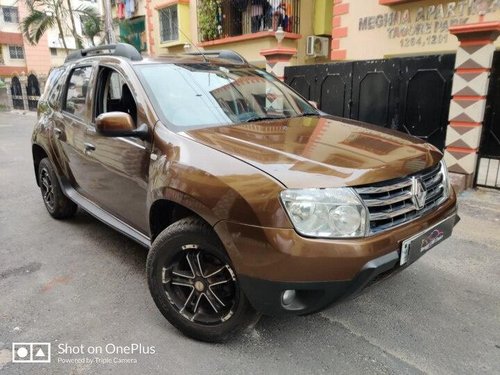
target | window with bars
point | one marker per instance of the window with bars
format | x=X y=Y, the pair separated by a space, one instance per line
x=229 y=18
x=169 y=24
x=16 y=52
x=10 y=14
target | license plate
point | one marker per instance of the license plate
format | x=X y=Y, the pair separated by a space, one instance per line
x=414 y=247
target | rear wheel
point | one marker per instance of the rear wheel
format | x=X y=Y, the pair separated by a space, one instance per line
x=57 y=204
x=194 y=284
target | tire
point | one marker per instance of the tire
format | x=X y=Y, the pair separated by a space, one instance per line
x=57 y=204
x=193 y=284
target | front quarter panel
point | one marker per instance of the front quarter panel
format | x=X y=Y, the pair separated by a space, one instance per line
x=214 y=185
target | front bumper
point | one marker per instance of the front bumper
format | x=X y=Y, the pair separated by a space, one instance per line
x=269 y=261
x=266 y=296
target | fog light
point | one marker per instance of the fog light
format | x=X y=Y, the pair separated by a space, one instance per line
x=287 y=297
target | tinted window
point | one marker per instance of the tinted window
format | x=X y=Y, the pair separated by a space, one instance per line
x=76 y=93
x=51 y=84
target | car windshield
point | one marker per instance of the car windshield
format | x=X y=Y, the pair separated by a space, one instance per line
x=202 y=95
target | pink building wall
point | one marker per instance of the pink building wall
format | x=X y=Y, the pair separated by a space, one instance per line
x=37 y=57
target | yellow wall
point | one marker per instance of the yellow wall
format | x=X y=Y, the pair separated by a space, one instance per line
x=184 y=19
x=367 y=40
x=323 y=10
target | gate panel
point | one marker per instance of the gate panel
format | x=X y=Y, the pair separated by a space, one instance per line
x=425 y=97
x=409 y=94
x=16 y=93
x=33 y=90
x=302 y=80
x=374 y=91
x=488 y=168
x=334 y=88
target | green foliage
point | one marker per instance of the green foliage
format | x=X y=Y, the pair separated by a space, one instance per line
x=45 y=14
x=207 y=19
x=36 y=24
x=92 y=23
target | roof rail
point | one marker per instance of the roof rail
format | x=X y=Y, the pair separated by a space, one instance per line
x=118 y=49
x=224 y=54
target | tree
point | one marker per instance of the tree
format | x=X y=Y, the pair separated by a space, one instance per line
x=92 y=27
x=45 y=14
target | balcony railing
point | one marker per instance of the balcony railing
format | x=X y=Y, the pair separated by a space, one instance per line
x=227 y=18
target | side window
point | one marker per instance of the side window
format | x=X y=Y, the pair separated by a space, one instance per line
x=76 y=92
x=53 y=86
x=115 y=94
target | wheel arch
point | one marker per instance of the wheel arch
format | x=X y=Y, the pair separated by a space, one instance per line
x=164 y=212
x=38 y=154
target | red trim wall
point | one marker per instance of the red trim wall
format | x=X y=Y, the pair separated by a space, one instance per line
x=340 y=8
x=395 y=2
x=11 y=38
x=239 y=38
x=9 y=71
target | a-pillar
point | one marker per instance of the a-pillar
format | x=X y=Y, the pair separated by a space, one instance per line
x=277 y=59
x=470 y=88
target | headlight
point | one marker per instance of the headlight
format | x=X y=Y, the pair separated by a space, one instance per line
x=331 y=213
x=446 y=180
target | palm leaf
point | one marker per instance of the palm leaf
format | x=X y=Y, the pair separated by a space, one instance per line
x=35 y=25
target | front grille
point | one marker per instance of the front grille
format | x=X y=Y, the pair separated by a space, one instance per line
x=390 y=203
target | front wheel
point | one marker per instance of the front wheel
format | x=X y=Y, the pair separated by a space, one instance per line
x=57 y=204
x=194 y=284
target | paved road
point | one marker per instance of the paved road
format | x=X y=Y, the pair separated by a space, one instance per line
x=78 y=282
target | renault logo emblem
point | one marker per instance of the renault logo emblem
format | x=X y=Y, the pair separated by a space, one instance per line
x=418 y=193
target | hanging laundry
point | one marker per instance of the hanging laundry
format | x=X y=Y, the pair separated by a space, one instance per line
x=129 y=8
x=120 y=10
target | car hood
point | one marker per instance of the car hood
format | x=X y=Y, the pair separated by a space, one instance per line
x=321 y=151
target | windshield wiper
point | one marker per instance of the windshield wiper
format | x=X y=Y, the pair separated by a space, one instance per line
x=263 y=118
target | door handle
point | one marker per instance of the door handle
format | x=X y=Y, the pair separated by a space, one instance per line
x=57 y=132
x=89 y=147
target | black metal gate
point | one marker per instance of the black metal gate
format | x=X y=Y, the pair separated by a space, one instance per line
x=488 y=166
x=411 y=94
x=33 y=90
x=17 y=93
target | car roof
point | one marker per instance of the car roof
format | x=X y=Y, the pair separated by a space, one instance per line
x=168 y=59
x=122 y=52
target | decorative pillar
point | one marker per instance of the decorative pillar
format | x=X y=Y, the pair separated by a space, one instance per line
x=277 y=59
x=469 y=91
x=8 y=84
x=339 y=31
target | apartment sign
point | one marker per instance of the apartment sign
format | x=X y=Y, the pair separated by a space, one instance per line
x=426 y=25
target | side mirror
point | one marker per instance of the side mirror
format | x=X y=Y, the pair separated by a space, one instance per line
x=119 y=124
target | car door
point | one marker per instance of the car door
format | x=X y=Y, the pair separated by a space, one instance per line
x=70 y=126
x=120 y=165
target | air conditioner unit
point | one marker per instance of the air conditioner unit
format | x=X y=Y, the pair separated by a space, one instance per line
x=317 y=46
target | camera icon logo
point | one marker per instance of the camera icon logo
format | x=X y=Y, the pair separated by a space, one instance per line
x=31 y=352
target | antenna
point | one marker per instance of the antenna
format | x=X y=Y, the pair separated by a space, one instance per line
x=191 y=42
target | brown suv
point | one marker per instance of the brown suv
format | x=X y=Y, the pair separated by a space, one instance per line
x=249 y=199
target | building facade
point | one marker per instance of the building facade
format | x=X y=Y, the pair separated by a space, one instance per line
x=19 y=57
x=376 y=29
x=247 y=26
